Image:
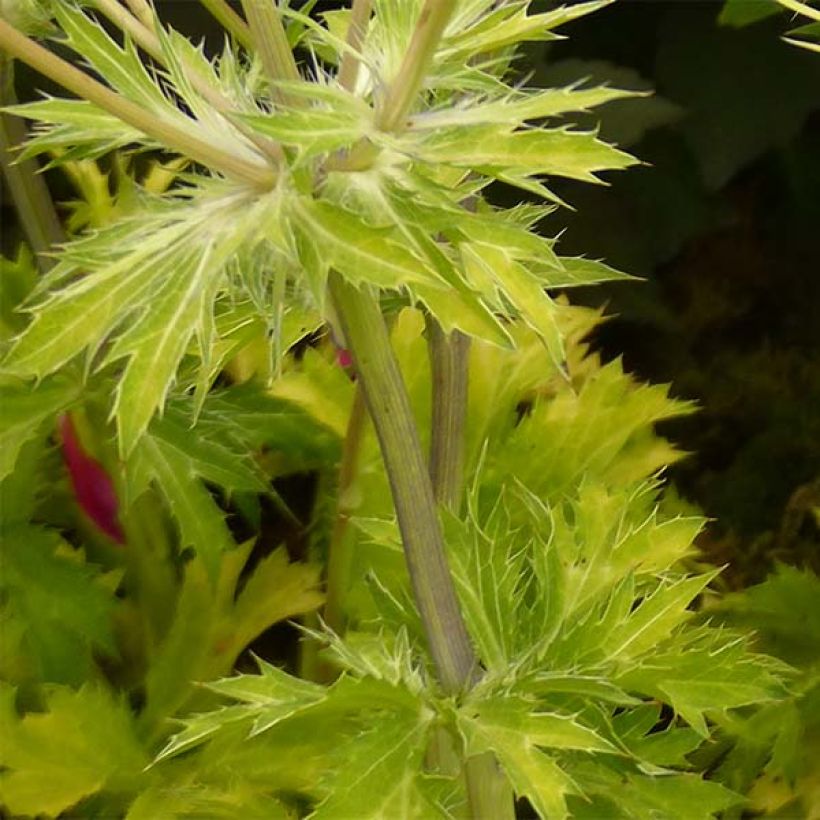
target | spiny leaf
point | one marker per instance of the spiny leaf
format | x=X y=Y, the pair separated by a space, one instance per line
x=361 y=251
x=380 y=774
x=572 y=154
x=706 y=671
x=514 y=732
x=519 y=108
x=491 y=268
x=83 y=741
x=276 y=589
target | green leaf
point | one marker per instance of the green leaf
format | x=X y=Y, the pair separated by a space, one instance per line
x=379 y=773
x=201 y=522
x=82 y=742
x=178 y=661
x=65 y=612
x=707 y=671
x=657 y=616
x=579 y=272
x=511 y=26
x=490 y=267
x=275 y=590
x=360 y=251
x=515 y=733
x=559 y=152
x=24 y=411
x=266 y=699
x=314 y=131
x=519 y=108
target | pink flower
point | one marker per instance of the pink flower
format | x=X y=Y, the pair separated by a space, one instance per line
x=92 y=485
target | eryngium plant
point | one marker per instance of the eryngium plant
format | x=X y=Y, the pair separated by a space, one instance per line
x=338 y=191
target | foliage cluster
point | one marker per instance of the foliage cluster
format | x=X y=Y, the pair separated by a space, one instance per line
x=179 y=345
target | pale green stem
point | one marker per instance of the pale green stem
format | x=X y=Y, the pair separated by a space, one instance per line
x=359 y=18
x=28 y=190
x=271 y=43
x=146 y=37
x=142 y=10
x=63 y=73
x=366 y=336
x=230 y=21
x=404 y=89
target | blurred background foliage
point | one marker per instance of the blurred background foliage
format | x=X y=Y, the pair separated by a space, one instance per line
x=721 y=222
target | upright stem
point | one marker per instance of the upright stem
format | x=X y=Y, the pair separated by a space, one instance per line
x=349 y=69
x=449 y=356
x=340 y=557
x=229 y=20
x=367 y=338
x=489 y=792
x=405 y=87
x=29 y=193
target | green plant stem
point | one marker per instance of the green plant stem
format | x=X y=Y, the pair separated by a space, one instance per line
x=387 y=401
x=230 y=21
x=28 y=190
x=142 y=11
x=24 y=48
x=489 y=793
x=271 y=43
x=357 y=29
x=145 y=36
x=404 y=89
x=340 y=554
x=449 y=357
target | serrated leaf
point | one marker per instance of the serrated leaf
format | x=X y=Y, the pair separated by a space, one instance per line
x=511 y=730
x=656 y=617
x=267 y=699
x=201 y=522
x=706 y=671
x=24 y=410
x=491 y=267
x=361 y=252
x=65 y=613
x=510 y=26
x=536 y=105
x=579 y=272
x=572 y=154
x=313 y=131
x=380 y=774
x=83 y=741
x=275 y=590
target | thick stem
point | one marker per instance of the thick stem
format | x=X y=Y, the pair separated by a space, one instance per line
x=28 y=190
x=489 y=793
x=367 y=338
x=449 y=357
x=71 y=78
x=340 y=554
